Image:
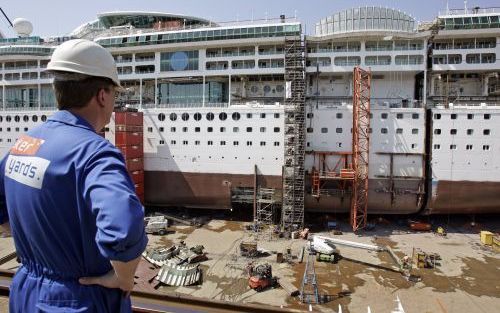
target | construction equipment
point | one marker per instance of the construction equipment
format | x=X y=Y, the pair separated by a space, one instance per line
x=486 y=237
x=249 y=249
x=330 y=258
x=261 y=277
x=440 y=231
x=156 y=225
x=426 y=260
x=322 y=244
x=420 y=226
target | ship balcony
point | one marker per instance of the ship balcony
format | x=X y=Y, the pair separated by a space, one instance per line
x=466 y=67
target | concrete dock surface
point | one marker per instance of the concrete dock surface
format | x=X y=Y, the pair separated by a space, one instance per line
x=467 y=278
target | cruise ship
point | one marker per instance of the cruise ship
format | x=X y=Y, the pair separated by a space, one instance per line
x=214 y=98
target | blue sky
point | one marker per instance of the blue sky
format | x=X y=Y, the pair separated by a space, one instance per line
x=59 y=17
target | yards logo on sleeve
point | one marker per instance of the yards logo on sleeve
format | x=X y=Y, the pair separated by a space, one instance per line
x=22 y=164
x=26 y=170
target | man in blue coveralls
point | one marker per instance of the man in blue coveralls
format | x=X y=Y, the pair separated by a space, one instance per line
x=76 y=221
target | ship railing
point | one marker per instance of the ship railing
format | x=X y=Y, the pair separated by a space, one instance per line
x=464 y=105
x=470 y=11
x=99 y=32
x=188 y=105
x=21 y=108
x=374 y=102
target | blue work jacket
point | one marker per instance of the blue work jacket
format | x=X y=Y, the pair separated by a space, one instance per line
x=72 y=208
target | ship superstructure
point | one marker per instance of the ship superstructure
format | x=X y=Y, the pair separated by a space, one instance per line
x=217 y=124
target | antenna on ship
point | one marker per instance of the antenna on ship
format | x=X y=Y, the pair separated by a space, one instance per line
x=465 y=6
x=447 y=7
x=6 y=17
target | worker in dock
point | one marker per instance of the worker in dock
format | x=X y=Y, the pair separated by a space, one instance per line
x=76 y=221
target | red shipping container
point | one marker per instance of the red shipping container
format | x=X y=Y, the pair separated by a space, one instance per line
x=129 y=118
x=139 y=189
x=137 y=177
x=128 y=128
x=141 y=197
x=134 y=165
x=128 y=138
x=131 y=152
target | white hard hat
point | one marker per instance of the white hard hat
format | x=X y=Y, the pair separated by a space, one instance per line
x=84 y=57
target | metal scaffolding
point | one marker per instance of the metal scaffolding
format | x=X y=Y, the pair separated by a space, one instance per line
x=360 y=146
x=326 y=179
x=292 y=213
x=265 y=212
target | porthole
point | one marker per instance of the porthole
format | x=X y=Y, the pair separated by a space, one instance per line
x=173 y=116
x=185 y=116
x=210 y=116
x=26 y=118
x=17 y=118
x=254 y=89
x=161 y=117
x=222 y=116
x=34 y=118
x=43 y=118
x=280 y=88
x=236 y=116
x=8 y=118
x=197 y=117
x=267 y=88
x=1 y=118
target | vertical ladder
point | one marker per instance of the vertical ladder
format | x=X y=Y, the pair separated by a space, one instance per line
x=292 y=214
x=309 y=290
x=315 y=183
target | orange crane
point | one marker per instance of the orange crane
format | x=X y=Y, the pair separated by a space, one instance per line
x=360 y=146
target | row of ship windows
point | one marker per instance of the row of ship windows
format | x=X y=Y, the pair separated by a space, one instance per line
x=16 y=129
x=26 y=118
x=454 y=116
x=468 y=147
x=211 y=129
x=210 y=116
x=324 y=130
x=474 y=58
x=237 y=116
x=383 y=130
x=222 y=157
x=469 y=132
x=222 y=143
x=383 y=116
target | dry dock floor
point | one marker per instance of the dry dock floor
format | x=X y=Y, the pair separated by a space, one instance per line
x=467 y=280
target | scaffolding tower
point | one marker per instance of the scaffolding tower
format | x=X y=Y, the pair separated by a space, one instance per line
x=360 y=146
x=292 y=213
x=265 y=212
